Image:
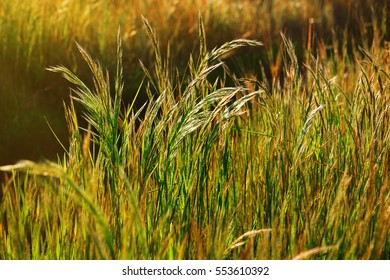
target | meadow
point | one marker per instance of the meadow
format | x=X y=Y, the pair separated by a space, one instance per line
x=198 y=130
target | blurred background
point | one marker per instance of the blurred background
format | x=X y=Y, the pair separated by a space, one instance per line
x=36 y=34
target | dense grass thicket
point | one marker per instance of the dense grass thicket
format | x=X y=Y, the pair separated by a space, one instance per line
x=214 y=163
x=36 y=34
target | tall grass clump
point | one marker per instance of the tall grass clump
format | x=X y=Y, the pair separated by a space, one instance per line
x=213 y=166
x=38 y=33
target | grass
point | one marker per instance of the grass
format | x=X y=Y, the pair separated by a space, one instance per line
x=213 y=166
x=39 y=34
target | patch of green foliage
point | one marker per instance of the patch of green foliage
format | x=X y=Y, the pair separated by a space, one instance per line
x=209 y=171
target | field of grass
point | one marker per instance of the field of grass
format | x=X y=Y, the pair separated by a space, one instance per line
x=40 y=33
x=202 y=160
